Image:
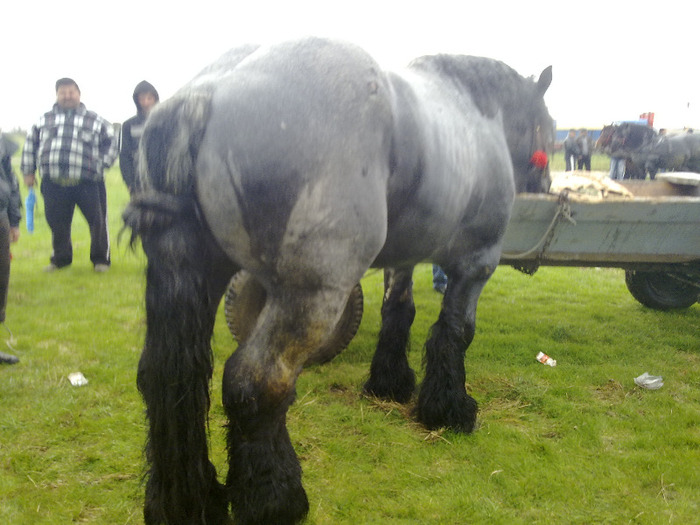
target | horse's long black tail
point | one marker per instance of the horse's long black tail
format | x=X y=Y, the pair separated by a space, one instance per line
x=174 y=375
x=176 y=364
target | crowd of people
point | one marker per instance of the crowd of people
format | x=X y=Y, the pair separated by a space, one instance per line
x=578 y=150
x=68 y=149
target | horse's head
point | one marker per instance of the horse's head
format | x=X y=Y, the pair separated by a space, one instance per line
x=501 y=94
x=605 y=138
x=530 y=135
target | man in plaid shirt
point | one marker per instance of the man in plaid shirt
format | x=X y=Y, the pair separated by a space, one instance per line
x=72 y=146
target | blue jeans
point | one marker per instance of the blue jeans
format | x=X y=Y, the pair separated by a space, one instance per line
x=617 y=168
x=439 y=279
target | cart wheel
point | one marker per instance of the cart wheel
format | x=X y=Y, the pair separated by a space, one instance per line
x=243 y=302
x=245 y=299
x=660 y=290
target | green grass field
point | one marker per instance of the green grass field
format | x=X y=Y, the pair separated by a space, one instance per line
x=578 y=443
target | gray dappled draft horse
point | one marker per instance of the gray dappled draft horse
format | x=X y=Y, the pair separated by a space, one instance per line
x=306 y=164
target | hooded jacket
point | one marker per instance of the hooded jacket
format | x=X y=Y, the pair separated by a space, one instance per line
x=9 y=187
x=132 y=130
x=9 y=215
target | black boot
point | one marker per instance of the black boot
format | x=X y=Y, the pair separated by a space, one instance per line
x=8 y=359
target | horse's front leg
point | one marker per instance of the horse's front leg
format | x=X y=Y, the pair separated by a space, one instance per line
x=391 y=377
x=443 y=400
x=264 y=478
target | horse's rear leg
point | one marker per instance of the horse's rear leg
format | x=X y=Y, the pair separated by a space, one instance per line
x=443 y=400
x=391 y=377
x=264 y=476
x=173 y=378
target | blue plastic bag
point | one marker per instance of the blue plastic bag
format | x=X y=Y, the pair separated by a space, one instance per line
x=30 y=204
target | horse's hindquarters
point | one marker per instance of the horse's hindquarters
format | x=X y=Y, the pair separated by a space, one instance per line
x=292 y=170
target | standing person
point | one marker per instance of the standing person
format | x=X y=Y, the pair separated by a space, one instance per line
x=585 y=148
x=145 y=97
x=10 y=216
x=570 y=150
x=71 y=146
x=618 y=159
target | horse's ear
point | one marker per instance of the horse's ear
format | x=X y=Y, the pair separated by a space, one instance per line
x=544 y=81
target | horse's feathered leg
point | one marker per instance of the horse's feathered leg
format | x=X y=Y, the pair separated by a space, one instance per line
x=183 y=289
x=391 y=377
x=443 y=400
x=264 y=476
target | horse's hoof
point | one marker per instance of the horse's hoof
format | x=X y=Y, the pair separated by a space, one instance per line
x=399 y=387
x=289 y=511
x=396 y=384
x=264 y=478
x=457 y=414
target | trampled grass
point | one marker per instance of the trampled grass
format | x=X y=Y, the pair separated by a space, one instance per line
x=578 y=443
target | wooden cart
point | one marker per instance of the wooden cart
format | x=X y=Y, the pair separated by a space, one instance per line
x=653 y=235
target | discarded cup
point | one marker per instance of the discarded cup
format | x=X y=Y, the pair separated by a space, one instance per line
x=649 y=382
x=545 y=359
x=77 y=379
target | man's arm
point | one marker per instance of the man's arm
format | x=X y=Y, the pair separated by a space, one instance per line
x=29 y=152
x=108 y=144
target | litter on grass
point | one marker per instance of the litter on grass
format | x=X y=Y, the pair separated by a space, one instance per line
x=545 y=359
x=649 y=382
x=77 y=379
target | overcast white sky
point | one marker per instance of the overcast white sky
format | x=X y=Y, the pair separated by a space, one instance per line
x=612 y=59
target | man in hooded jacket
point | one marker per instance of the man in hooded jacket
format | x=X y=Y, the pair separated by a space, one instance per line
x=10 y=215
x=145 y=97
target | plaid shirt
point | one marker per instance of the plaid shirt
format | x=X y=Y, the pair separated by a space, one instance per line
x=69 y=146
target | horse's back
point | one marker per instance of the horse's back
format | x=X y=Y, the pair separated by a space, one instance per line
x=292 y=168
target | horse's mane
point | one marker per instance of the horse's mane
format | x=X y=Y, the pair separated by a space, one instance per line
x=491 y=83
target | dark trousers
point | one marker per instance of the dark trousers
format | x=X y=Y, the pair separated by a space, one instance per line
x=4 y=263
x=59 y=205
x=570 y=161
x=584 y=162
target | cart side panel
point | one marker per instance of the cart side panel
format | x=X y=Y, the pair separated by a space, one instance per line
x=640 y=230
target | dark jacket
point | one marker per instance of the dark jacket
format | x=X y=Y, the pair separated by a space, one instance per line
x=10 y=201
x=570 y=146
x=585 y=145
x=132 y=130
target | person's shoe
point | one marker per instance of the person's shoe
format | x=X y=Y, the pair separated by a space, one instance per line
x=101 y=268
x=8 y=359
x=51 y=268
